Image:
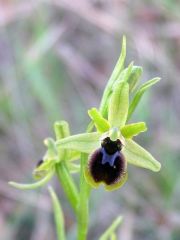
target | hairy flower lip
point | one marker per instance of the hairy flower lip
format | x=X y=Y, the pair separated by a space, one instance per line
x=107 y=164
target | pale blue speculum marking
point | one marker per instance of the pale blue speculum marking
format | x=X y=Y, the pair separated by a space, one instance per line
x=107 y=158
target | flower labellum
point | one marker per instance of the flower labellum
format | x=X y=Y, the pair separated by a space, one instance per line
x=107 y=165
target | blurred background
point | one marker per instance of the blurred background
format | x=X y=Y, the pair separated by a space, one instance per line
x=55 y=59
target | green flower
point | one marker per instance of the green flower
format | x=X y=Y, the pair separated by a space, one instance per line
x=112 y=147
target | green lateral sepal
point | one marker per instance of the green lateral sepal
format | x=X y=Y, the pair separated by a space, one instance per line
x=133 y=129
x=100 y=123
x=85 y=142
x=138 y=156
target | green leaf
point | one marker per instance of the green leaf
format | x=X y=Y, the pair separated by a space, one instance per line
x=107 y=234
x=85 y=142
x=118 y=106
x=58 y=215
x=101 y=123
x=134 y=77
x=33 y=185
x=138 y=156
x=139 y=94
x=114 y=76
x=131 y=130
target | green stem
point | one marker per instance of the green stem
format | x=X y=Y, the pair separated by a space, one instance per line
x=68 y=184
x=83 y=209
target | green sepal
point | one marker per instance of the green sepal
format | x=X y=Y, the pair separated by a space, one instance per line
x=58 y=215
x=33 y=185
x=100 y=123
x=138 y=156
x=134 y=77
x=85 y=142
x=139 y=94
x=110 y=230
x=114 y=76
x=118 y=106
x=133 y=129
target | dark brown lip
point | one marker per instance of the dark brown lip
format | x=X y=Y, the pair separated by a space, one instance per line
x=108 y=171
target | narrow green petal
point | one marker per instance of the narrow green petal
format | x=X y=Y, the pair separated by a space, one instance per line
x=118 y=106
x=134 y=77
x=138 y=156
x=101 y=123
x=33 y=185
x=114 y=76
x=85 y=142
x=110 y=230
x=131 y=130
x=139 y=94
x=58 y=215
